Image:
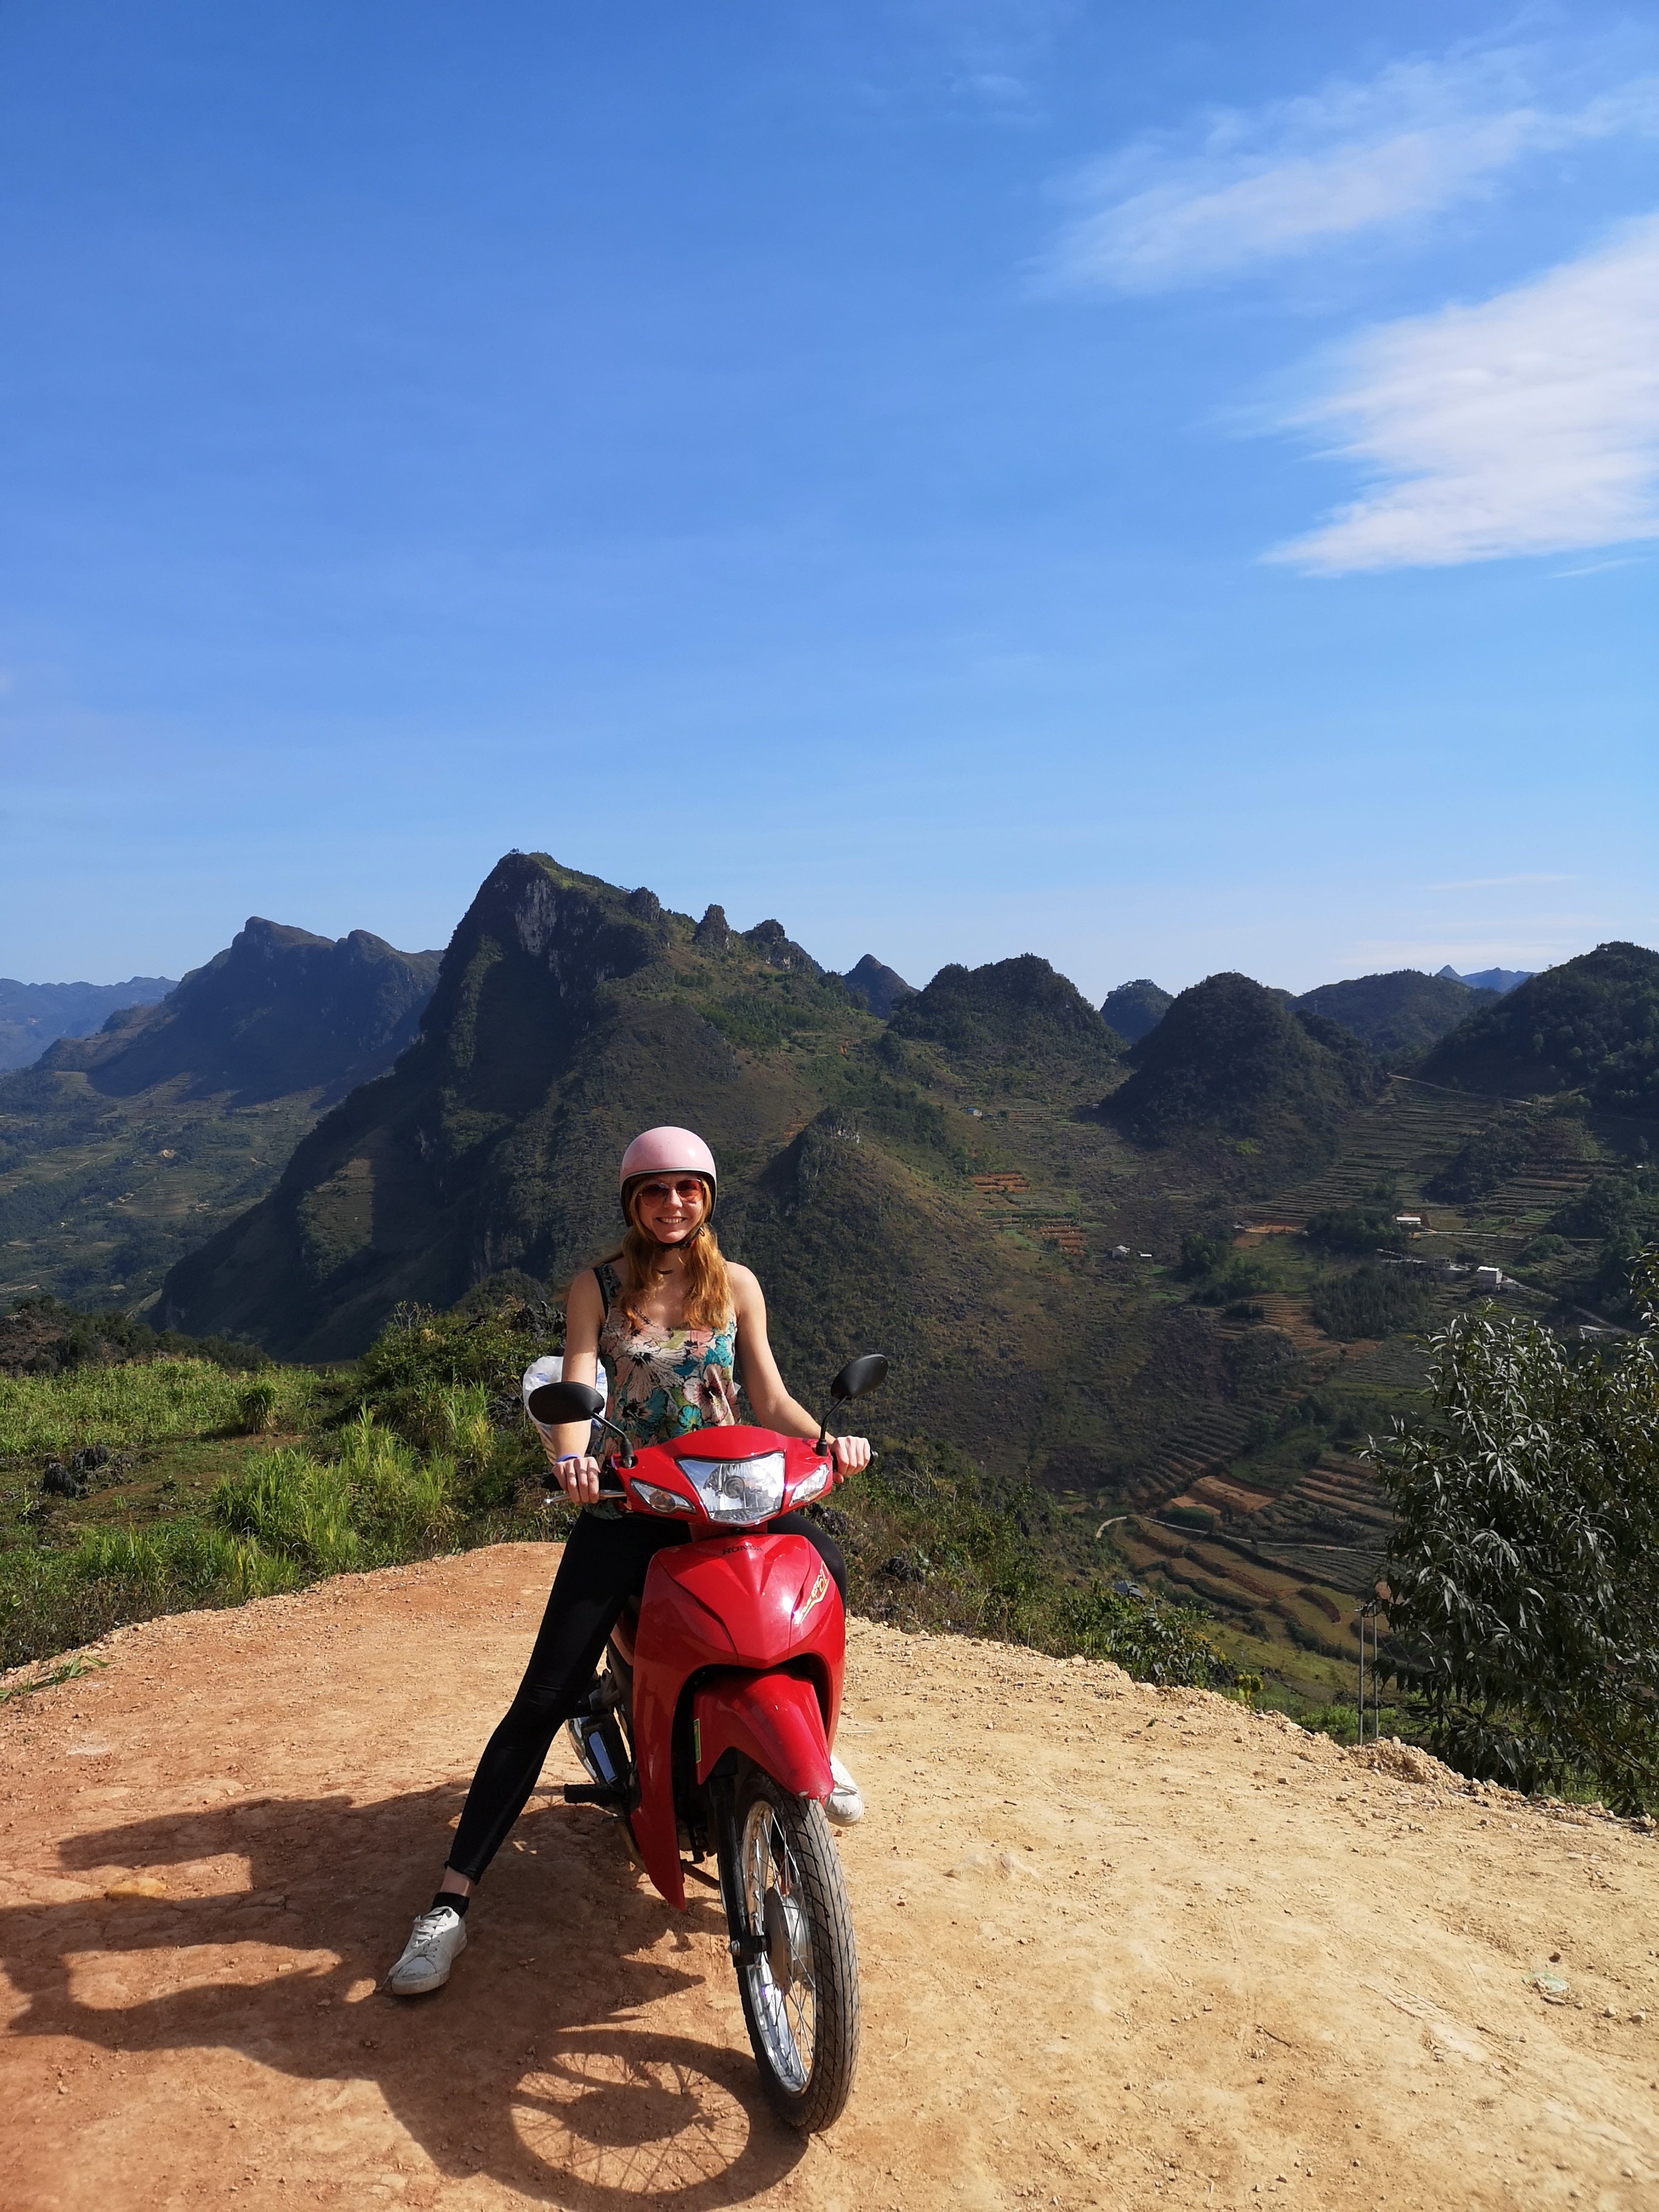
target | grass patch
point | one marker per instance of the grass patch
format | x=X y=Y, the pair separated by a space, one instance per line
x=420 y=1451
x=129 y=1406
x=377 y=1502
x=52 y=1599
x=80 y=1664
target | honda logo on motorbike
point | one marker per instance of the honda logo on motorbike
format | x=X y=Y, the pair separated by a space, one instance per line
x=818 y=1591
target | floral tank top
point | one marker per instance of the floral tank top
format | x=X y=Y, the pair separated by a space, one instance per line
x=664 y=1383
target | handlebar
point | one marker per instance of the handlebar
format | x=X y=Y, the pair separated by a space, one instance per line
x=617 y=1493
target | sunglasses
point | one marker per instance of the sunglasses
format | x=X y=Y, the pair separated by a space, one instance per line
x=687 y=1188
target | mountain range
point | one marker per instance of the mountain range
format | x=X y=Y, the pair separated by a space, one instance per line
x=1073 y=1246
x=1589 y=1026
x=1490 y=979
x=567 y=1011
x=34 y=1015
x=120 y=1150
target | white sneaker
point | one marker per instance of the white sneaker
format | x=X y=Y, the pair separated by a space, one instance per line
x=844 y=1806
x=436 y=1940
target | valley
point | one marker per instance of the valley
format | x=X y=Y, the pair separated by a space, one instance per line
x=1173 y=1285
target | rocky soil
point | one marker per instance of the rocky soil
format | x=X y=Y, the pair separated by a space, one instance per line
x=1120 y=1945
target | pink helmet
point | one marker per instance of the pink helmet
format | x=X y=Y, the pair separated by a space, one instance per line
x=668 y=1151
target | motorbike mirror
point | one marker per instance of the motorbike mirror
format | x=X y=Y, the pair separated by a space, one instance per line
x=867 y=1372
x=556 y=1403
x=559 y=1402
x=859 y=1376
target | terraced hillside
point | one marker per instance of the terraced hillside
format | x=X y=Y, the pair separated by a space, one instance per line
x=1401 y=1142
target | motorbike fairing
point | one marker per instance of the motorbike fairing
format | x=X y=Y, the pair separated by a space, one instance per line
x=748 y=1604
x=774 y=1719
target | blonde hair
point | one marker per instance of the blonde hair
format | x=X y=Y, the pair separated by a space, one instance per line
x=707 y=1286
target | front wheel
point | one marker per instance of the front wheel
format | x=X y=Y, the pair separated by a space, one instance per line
x=798 y=1967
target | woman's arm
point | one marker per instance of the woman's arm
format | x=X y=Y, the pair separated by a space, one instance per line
x=774 y=1407
x=567 y=1448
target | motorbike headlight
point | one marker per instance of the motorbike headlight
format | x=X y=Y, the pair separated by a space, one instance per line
x=737 y=1489
x=812 y=1484
x=660 y=1500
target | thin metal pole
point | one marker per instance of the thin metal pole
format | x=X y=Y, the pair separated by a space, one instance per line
x=1362 y=1674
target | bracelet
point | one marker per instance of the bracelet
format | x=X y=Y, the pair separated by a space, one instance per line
x=565 y=1458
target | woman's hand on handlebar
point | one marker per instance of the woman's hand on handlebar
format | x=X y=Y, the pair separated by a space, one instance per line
x=852 y=1453
x=579 y=1476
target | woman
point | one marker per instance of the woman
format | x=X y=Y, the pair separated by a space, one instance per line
x=677 y=1326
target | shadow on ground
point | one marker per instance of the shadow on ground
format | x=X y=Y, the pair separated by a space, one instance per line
x=547 y=2065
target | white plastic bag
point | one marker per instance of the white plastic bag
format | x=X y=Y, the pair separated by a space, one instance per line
x=551 y=1369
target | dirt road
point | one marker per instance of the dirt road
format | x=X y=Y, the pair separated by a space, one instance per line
x=1118 y=1946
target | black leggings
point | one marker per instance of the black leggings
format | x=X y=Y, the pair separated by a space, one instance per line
x=604 y=1565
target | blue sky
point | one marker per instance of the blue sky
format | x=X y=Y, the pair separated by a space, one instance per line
x=1168 y=488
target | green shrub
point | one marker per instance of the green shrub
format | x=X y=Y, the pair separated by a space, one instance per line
x=404 y=1503
x=1200 y=1255
x=181 y=1557
x=1239 y=1285
x=294 y=1505
x=1152 y=1641
x=257 y=1402
x=1611 y=1203
x=1489 y=1157
x=406 y=1376
x=1524 y=1561
x=1341 y=1721
x=1351 y=1229
x=1547 y=1247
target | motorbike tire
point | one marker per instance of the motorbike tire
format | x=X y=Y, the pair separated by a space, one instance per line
x=809 y=1923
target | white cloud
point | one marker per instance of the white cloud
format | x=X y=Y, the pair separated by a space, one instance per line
x=1248 y=189
x=1527 y=424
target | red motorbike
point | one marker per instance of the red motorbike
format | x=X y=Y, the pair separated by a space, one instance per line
x=710 y=1725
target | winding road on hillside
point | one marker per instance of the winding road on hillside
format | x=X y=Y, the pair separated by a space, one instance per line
x=1120 y=1947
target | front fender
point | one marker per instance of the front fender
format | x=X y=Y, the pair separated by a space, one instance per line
x=774 y=1719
